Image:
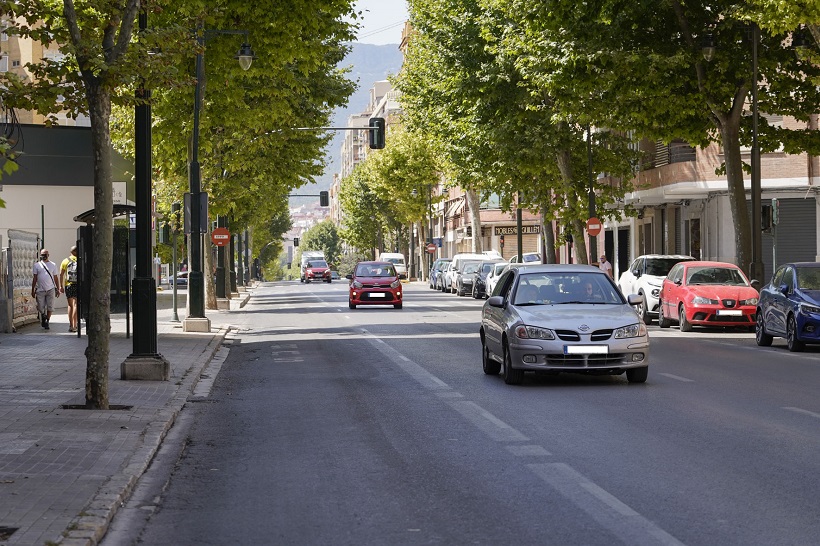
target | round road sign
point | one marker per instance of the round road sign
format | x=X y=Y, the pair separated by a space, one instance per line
x=431 y=247
x=594 y=226
x=221 y=236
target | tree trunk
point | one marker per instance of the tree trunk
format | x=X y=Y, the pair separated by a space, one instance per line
x=475 y=220
x=564 y=161
x=99 y=312
x=729 y=132
x=208 y=271
x=548 y=236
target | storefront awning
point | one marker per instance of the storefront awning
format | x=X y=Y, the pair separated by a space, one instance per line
x=455 y=208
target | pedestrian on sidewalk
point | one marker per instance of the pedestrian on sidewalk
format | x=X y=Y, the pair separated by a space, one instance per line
x=45 y=287
x=68 y=282
x=605 y=266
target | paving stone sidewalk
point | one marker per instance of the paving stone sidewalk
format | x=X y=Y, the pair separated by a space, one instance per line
x=64 y=472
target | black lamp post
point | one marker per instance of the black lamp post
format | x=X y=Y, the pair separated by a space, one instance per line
x=144 y=362
x=196 y=320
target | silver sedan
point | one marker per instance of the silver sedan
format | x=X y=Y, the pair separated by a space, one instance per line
x=562 y=318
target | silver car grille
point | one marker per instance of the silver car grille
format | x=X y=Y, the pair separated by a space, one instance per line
x=585 y=361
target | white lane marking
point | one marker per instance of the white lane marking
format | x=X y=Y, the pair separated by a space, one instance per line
x=603 y=507
x=488 y=423
x=803 y=411
x=527 y=450
x=677 y=377
x=422 y=376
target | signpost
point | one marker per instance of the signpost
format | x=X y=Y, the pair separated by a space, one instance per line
x=431 y=248
x=221 y=236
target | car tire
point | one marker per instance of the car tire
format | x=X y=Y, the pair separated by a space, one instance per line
x=663 y=322
x=794 y=344
x=490 y=366
x=511 y=375
x=643 y=311
x=351 y=305
x=460 y=292
x=761 y=337
x=637 y=375
x=396 y=306
x=685 y=325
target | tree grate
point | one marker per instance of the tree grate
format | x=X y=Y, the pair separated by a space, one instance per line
x=117 y=407
x=6 y=532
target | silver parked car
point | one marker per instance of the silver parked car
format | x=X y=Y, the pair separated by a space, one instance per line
x=562 y=318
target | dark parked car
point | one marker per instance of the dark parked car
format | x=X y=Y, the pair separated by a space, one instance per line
x=464 y=279
x=435 y=272
x=789 y=306
x=480 y=283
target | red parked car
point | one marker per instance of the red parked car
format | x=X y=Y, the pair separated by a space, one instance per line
x=707 y=294
x=375 y=283
x=317 y=270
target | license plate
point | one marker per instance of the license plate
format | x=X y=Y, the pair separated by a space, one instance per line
x=377 y=295
x=586 y=349
x=730 y=312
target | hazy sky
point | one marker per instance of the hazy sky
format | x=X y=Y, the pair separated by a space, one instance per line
x=382 y=21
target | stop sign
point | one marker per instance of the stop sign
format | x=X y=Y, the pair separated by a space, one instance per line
x=221 y=236
x=431 y=248
x=594 y=226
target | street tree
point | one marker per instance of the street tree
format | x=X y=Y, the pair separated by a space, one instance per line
x=322 y=236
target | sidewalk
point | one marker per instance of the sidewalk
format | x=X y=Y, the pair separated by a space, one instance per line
x=64 y=472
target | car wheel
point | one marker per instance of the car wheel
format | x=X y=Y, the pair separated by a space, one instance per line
x=351 y=305
x=763 y=339
x=794 y=344
x=396 y=306
x=460 y=291
x=637 y=375
x=663 y=322
x=685 y=325
x=490 y=366
x=511 y=375
x=643 y=311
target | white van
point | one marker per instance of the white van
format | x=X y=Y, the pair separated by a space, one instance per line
x=458 y=264
x=397 y=259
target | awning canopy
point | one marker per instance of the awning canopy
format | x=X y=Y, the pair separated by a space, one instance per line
x=89 y=216
x=455 y=208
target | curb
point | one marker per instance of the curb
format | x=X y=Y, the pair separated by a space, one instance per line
x=89 y=528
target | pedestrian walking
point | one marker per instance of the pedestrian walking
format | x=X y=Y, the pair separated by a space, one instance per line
x=605 y=266
x=45 y=287
x=68 y=282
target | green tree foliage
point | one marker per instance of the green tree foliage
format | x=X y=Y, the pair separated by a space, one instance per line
x=323 y=236
x=604 y=64
x=362 y=211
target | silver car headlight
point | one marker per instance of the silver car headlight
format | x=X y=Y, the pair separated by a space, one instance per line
x=808 y=309
x=357 y=284
x=395 y=284
x=700 y=300
x=533 y=332
x=633 y=330
x=750 y=301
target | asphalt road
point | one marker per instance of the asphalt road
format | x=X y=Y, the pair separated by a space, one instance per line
x=326 y=425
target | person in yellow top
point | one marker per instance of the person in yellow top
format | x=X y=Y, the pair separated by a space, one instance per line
x=69 y=281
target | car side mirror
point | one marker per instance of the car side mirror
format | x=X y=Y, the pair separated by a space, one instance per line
x=678 y=281
x=496 y=301
x=635 y=299
x=349 y=277
x=637 y=273
x=784 y=289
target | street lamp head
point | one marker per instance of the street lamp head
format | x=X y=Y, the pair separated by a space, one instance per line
x=414 y=193
x=245 y=56
x=708 y=46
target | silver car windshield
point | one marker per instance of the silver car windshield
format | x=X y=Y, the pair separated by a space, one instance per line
x=565 y=288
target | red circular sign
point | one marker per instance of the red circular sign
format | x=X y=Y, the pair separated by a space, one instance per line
x=221 y=236
x=594 y=226
x=431 y=247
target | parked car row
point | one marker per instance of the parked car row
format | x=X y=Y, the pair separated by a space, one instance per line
x=690 y=292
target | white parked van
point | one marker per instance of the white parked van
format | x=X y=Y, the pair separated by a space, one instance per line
x=397 y=259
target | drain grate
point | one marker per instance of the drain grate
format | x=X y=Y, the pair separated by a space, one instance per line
x=83 y=406
x=6 y=532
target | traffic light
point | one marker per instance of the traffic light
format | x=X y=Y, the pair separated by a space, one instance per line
x=324 y=201
x=766 y=218
x=377 y=133
x=501 y=241
x=296 y=241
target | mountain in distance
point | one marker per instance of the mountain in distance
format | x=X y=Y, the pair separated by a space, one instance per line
x=368 y=63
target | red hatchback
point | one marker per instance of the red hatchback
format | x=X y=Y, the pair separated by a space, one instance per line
x=374 y=283
x=707 y=294
x=317 y=270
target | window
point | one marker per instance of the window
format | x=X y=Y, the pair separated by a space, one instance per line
x=4 y=63
x=15 y=64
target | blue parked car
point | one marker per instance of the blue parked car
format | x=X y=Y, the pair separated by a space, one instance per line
x=789 y=306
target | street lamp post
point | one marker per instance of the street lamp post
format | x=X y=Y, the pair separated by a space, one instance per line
x=175 y=213
x=196 y=321
x=144 y=362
